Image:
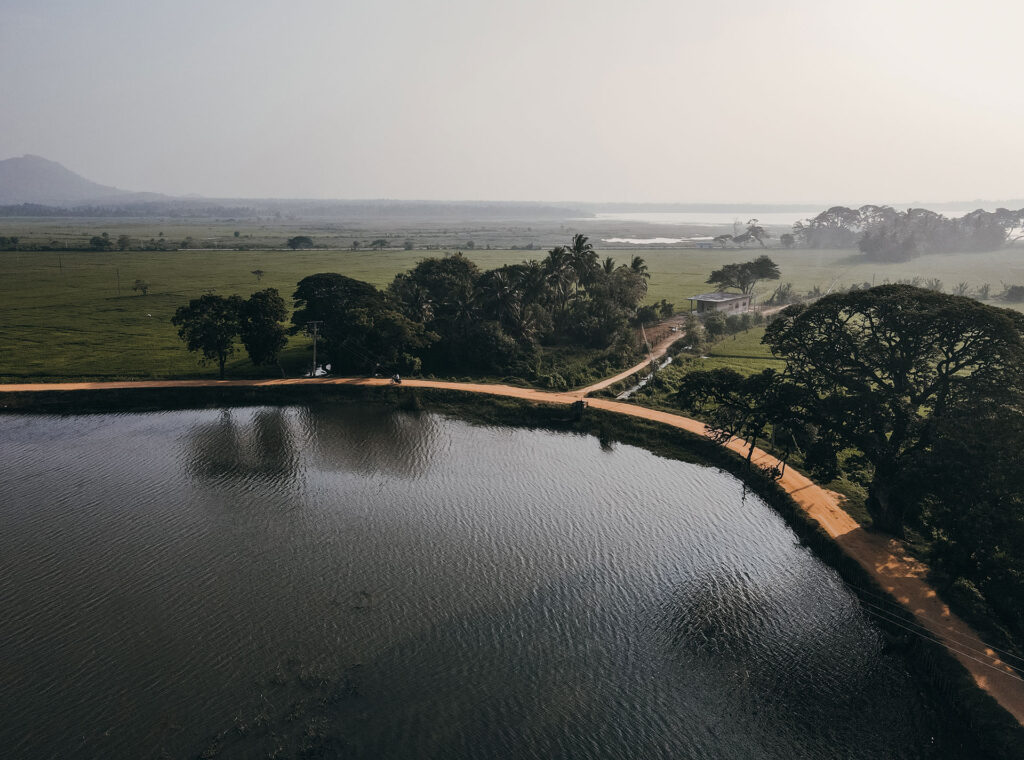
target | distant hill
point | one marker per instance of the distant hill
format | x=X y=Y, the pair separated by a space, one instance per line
x=33 y=179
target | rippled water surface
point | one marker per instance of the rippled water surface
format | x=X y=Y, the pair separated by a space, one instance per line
x=352 y=581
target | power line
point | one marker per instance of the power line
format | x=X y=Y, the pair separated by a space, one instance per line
x=896 y=619
x=1009 y=674
x=936 y=623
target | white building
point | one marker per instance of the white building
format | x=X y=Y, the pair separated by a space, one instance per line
x=726 y=303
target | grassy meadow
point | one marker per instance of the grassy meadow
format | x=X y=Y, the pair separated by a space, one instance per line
x=62 y=317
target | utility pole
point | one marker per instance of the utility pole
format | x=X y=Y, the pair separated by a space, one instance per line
x=117 y=273
x=313 y=327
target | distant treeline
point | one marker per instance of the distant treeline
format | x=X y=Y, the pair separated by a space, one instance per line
x=885 y=234
x=350 y=210
x=131 y=211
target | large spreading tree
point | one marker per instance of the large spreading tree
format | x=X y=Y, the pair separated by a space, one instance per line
x=745 y=276
x=880 y=370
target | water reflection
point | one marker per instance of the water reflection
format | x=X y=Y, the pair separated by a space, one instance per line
x=246 y=444
x=370 y=439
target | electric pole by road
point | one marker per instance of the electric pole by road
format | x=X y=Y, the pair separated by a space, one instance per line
x=312 y=328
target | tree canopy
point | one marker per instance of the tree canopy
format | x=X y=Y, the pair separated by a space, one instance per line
x=299 y=241
x=261 y=328
x=880 y=368
x=746 y=275
x=361 y=327
x=209 y=325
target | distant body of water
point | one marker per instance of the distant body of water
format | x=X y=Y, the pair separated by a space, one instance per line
x=359 y=582
x=722 y=220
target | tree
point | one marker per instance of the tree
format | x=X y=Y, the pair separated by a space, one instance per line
x=141 y=285
x=123 y=242
x=639 y=266
x=880 y=369
x=787 y=240
x=261 y=328
x=101 y=242
x=209 y=325
x=714 y=325
x=299 y=241
x=259 y=274
x=583 y=259
x=972 y=500
x=746 y=275
x=362 y=327
x=355 y=245
x=757 y=232
x=722 y=240
x=379 y=244
x=738 y=406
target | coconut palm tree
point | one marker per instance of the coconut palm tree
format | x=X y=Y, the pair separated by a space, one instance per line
x=583 y=259
x=608 y=266
x=639 y=266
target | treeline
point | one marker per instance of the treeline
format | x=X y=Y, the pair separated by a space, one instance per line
x=919 y=397
x=447 y=316
x=885 y=234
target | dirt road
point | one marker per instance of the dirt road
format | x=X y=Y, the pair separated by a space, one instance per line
x=883 y=558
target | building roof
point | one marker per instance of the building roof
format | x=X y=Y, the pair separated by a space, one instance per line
x=718 y=297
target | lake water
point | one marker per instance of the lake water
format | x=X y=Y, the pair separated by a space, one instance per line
x=354 y=581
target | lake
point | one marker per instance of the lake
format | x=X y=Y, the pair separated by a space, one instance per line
x=350 y=580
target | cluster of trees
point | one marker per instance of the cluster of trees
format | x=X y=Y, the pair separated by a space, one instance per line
x=211 y=325
x=917 y=394
x=718 y=325
x=445 y=314
x=884 y=234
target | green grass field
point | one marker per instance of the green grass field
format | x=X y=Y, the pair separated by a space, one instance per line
x=61 y=315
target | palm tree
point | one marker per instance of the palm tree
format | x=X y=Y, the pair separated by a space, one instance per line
x=561 y=275
x=608 y=266
x=583 y=259
x=639 y=266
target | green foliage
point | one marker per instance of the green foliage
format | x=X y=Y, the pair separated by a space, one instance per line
x=362 y=328
x=299 y=241
x=746 y=275
x=261 y=328
x=141 y=286
x=882 y=367
x=715 y=325
x=209 y=325
x=101 y=242
x=971 y=500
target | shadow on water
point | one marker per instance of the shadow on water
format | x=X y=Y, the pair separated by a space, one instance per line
x=244 y=444
x=370 y=439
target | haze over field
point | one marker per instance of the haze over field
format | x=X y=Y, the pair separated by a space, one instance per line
x=790 y=102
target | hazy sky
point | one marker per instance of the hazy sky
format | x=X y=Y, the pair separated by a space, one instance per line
x=640 y=100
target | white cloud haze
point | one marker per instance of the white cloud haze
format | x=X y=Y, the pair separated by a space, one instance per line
x=651 y=100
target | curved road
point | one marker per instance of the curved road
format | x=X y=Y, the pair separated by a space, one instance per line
x=883 y=558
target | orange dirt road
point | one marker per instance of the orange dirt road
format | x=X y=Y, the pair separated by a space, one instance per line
x=883 y=558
